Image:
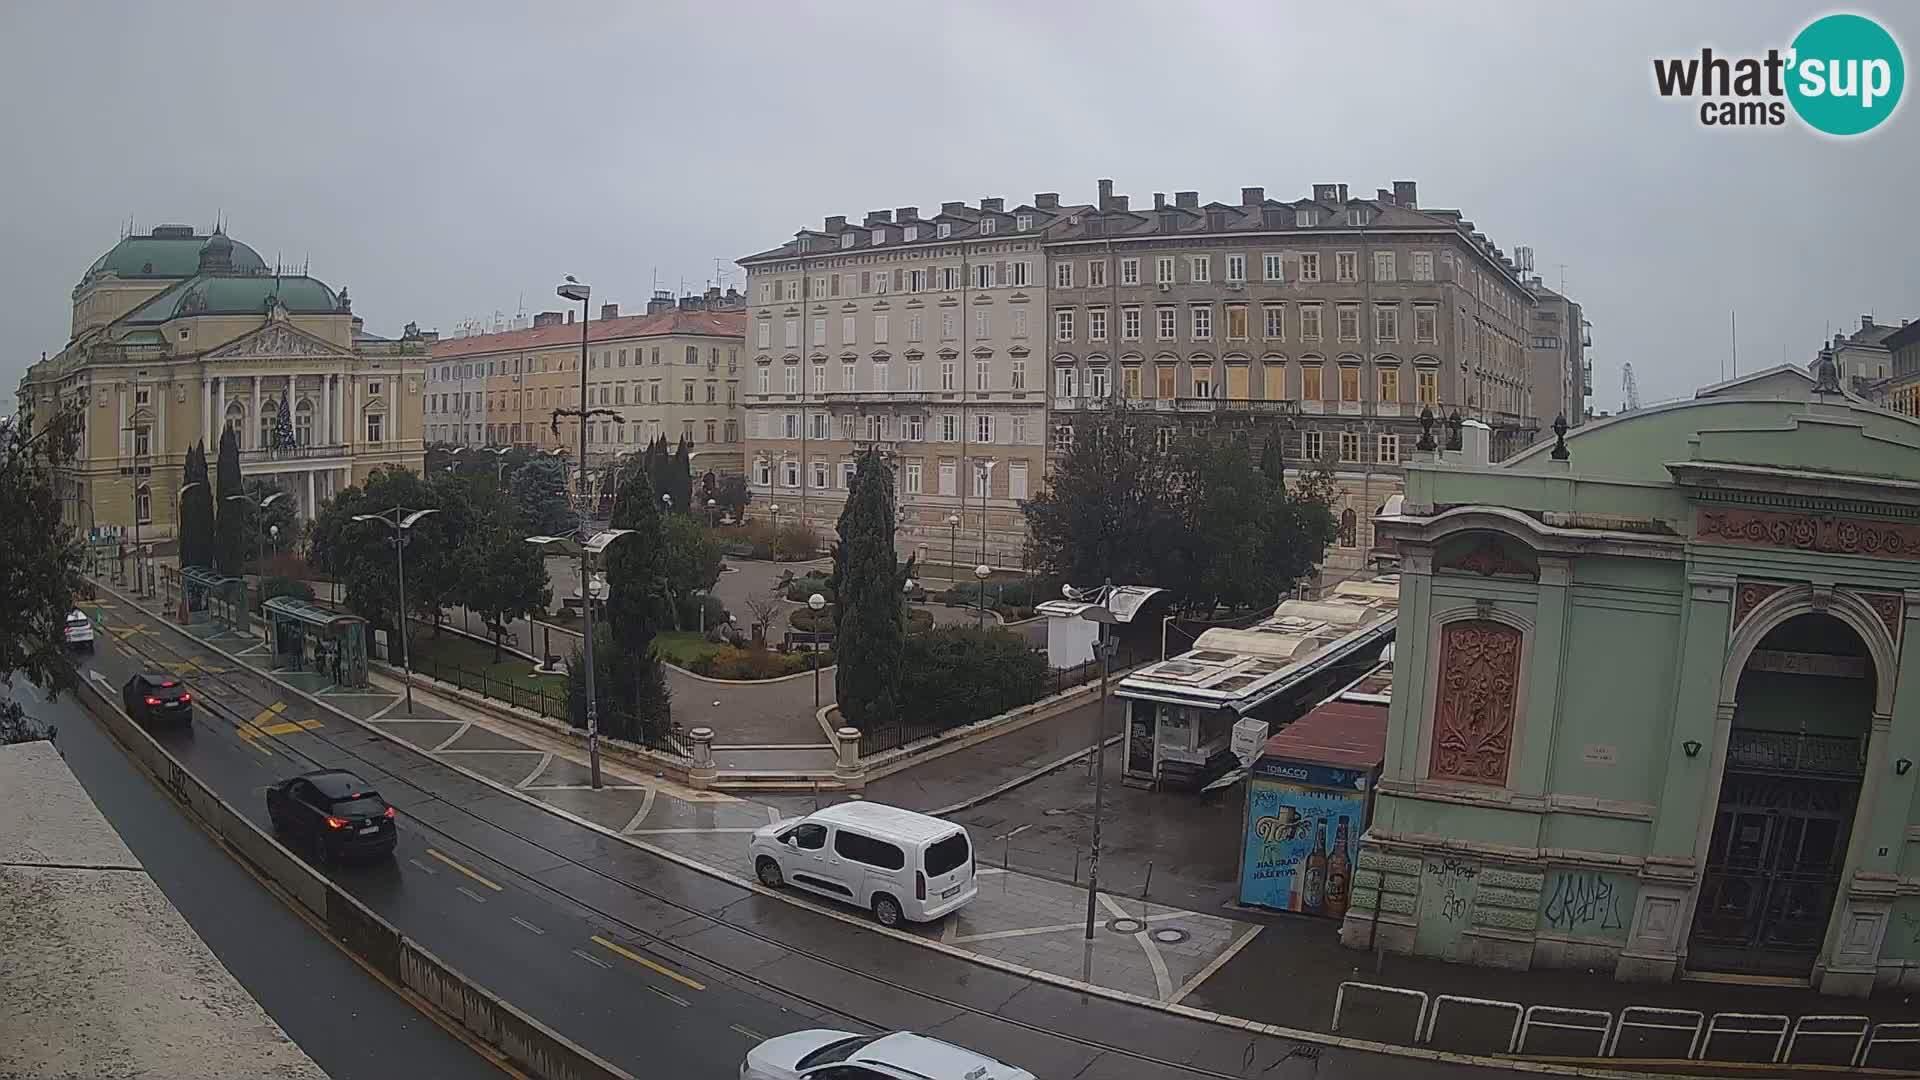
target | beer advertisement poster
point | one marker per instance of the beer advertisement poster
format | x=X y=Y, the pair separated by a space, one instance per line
x=1300 y=846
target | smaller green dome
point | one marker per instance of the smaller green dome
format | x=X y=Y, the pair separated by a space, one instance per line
x=237 y=294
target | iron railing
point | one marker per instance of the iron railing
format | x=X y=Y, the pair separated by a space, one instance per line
x=1796 y=752
x=881 y=738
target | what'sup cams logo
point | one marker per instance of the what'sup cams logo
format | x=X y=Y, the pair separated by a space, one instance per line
x=1842 y=75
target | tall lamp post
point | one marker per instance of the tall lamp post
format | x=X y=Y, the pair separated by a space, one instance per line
x=260 y=547
x=585 y=547
x=816 y=603
x=980 y=573
x=402 y=520
x=712 y=506
x=774 y=509
x=953 y=550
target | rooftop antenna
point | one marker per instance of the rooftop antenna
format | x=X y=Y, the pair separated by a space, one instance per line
x=1563 y=279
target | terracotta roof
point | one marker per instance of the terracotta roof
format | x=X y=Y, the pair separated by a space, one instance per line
x=1343 y=734
x=712 y=323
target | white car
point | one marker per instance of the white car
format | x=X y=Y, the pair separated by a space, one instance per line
x=79 y=630
x=899 y=864
x=821 y=1054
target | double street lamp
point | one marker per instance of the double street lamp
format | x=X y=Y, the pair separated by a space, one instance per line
x=399 y=519
x=260 y=504
x=593 y=545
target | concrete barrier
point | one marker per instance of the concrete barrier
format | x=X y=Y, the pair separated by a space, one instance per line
x=529 y=1044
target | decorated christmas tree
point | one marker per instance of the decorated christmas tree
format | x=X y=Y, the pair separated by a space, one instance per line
x=283 y=427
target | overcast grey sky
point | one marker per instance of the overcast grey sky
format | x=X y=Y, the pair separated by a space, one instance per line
x=445 y=160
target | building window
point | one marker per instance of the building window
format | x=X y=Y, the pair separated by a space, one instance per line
x=949 y=428
x=913 y=375
x=1129 y=271
x=1062 y=439
x=1064 y=380
x=948 y=476
x=1163 y=382
x=793 y=334
x=1166 y=320
x=792 y=424
x=1163 y=270
x=982 y=479
x=1200 y=268
x=1236 y=268
x=376 y=428
x=1383 y=266
x=913 y=428
x=983 y=375
x=1309 y=266
x=1346 y=266
x=1202 y=323
x=1423 y=266
x=882 y=376
x=1019 y=322
x=1311 y=446
x=1022 y=222
x=982 y=323
x=1096 y=273
x=303 y=422
x=1019 y=372
x=916 y=281
x=986 y=226
x=1276 y=322
x=983 y=276
x=790 y=473
x=817 y=423
x=848 y=378
x=1130 y=382
x=143 y=439
x=1389 y=379
x=949 y=328
x=1389 y=449
x=1018 y=269
x=947 y=377
x=1426 y=386
x=1097 y=382
x=1349 y=528
x=819 y=383
x=1306 y=218
x=1425 y=322
x=1130 y=324
x=1310 y=385
x=1063 y=325
x=913 y=478
x=909 y=234
x=1349 y=451
x=1203 y=380
x=1270 y=268
x=1349 y=382
x=763 y=335
x=1236 y=322
x=1096 y=324
x=820 y=475
x=1349 y=323
x=849 y=332
x=1063 y=275
x=1386 y=323
x=880 y=326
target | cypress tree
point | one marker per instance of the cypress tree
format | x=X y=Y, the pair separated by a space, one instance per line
x=636 y=606
x=230 y=516
x=196 y=511
x=868 y=580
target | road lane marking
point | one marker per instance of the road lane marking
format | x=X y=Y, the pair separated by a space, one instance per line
x=525 y=925
x=1213 y=965
x=453 y=738
x=291 y=727
x=251 y=731
x=675 y=998
x=749 y=1033
x=545 y=760
x=470 y=894
x=591 y=959
x=646 y=807
x=423 y=866
x=464 y=870
x=658 y=969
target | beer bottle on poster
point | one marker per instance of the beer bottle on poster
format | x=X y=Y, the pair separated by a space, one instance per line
x=1339 y=873
x=1313 y=899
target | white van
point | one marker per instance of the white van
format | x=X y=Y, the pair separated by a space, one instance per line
x=895 y=863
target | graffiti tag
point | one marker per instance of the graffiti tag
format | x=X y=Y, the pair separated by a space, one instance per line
x=1583 y=900
x=1453 y=898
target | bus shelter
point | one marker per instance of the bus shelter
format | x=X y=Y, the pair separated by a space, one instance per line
x=197 y=594
x=328 y=647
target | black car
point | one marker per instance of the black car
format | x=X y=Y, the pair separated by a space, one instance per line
x=331 y=813
x=150 y=697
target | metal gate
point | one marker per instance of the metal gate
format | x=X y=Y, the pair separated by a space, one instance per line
x=1779 y=841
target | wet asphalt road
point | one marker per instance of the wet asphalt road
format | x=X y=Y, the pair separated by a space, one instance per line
x=350 y=1024
x=663 y=970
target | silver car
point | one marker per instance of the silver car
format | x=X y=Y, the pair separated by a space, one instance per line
x=822 y=1054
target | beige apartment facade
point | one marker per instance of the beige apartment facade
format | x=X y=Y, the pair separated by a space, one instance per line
x=1327 y=321
x=674 y=372
x=922 y=338
x=178 y=336
x=1558 y=336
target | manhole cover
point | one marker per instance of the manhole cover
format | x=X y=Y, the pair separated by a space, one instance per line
x=1123 y=925
x=1168 y=935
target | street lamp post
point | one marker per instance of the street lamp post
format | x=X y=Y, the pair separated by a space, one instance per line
x=588 y=546
x=986 y=488
x=774 y=509
x=402 y=520
x=953 y=550
x=816 y=603
x=712 y=505
x=260 y=506
x=1101 y=614
x=980 y=572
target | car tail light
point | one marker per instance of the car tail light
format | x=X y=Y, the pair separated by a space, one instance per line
x=153 y=701
x=919 y=885
x=186 y=697
x=336 y=823
x=389 y=811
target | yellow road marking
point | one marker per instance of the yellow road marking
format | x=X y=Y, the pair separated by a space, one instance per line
x=748 y=1032
x=250 y=733
x=463 y=870
x=193 y=664
x=658 y=969
x=292 y=726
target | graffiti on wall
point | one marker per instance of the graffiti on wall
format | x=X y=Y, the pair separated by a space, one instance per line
x=1454 y=897
x=1584 y=901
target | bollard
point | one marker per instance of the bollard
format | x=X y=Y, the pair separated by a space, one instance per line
x=702 y=773
x=847 y=768
x=1148 y=887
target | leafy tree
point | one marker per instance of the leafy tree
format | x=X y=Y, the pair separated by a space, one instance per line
x=539 y=497
x=230 y=539
x=17 y=727
x=692 y=559
x=359 y=554
x=868 y=580
x=636 y=604
x=1108 y=511
x=503 y=578
x=733 y=495
x=196 y=511
x=257 y=524
x=39 y=555
x=952 y=675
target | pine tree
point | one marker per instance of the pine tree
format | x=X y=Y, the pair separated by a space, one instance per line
x=283 y=427
x=230 y=521
x=196 y=511
x=871 y=632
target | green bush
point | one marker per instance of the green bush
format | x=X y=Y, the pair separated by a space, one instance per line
x=800 y=588
x=953 y=675
x=812 y=622
x=737 y=663
x=688 y=609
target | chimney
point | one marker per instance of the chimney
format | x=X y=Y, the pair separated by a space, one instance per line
x=358 y=322
x=1120 y=202
x=1252 y=196
x=1047 y=200
x=609 y=311
x=1404 y=193
x=1187 y=200
x=1866 y=322
x=879 y=217
x=998 y=206
x=1383 y=195
x=1326 y=193
x=1106 y=193
x=1343 y=193
x=569 y=316
x=836 y=223
x=1159 y=200
x=952 y=207
x=906 y=215
x=662 y=302
x=713 y=294
x=1476 y=444
x=546 y=318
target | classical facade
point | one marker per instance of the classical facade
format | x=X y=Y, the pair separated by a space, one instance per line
x=1558 y=336
x=1329 y=321
x=674 y=371
x=918 y=336
x=1649 y=713
x=177 y=336
x=1900 y=390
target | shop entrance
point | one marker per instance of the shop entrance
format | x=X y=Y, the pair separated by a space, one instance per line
x=1795 y=759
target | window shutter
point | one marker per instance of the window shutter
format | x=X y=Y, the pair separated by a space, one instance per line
x=866 y=281
x=1000 y=272
x=899 y=279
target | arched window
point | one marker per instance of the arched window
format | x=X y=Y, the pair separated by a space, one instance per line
x=237 y=422
x=303 y=422
x=1349 y=528
x=268 y=412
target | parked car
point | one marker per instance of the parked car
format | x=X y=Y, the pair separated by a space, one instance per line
x=79 y=631
x=821 y=1054
x=898 y=864
x=150 y=697
x=331 y=813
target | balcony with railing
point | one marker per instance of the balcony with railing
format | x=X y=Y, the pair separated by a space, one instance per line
x=1796 y=753
x=295 y=453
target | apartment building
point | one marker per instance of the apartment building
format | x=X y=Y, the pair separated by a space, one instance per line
x=1558 y=336
x=674 y=371
x=1900 y=391
x=1329 y=321
x=922 y=337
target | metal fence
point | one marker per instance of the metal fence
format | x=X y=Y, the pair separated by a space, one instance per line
x=880 y=739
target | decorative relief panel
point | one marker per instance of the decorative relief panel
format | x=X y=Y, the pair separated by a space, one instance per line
x=1811 y=532
x=1750 y=595
x=1474 y=708
x=1888 y=607
x=1490 y=558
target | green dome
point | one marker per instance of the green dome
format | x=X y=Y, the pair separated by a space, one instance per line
x=239 y=294
x=171 y=251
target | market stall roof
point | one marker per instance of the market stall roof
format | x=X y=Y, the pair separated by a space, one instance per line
x=1340 y=733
